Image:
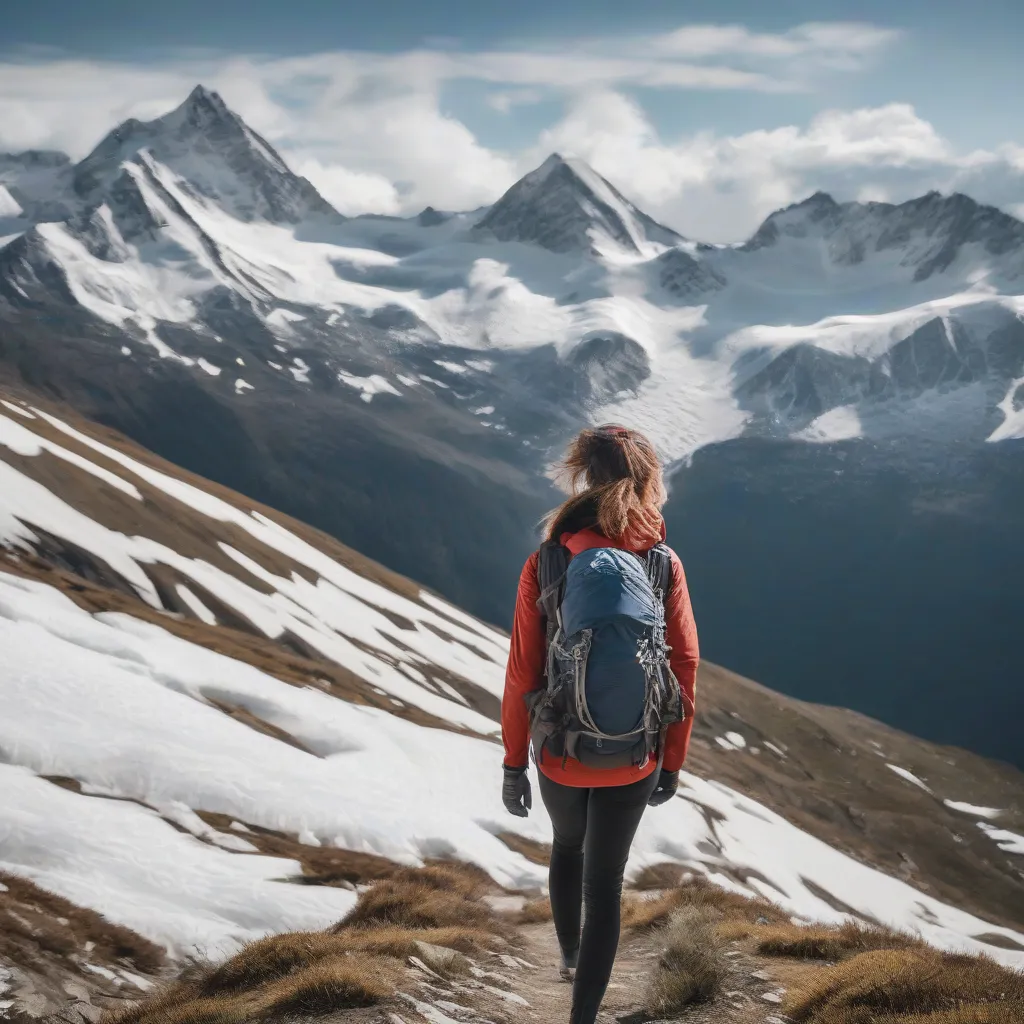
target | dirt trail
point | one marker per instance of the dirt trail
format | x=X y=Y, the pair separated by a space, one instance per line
x=742 y=1001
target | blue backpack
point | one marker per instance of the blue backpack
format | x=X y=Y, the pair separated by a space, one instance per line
x=610 y=692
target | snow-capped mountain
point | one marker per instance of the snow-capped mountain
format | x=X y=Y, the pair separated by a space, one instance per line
x=213 y=153
x=928 y=235
x=203 y=697
x=565 y=206
x=371 y=374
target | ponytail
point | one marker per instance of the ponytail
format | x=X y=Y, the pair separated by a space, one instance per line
x=615 y=480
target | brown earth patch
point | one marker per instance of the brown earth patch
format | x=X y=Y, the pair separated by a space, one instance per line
x=321 y=865
x=53 y=948
x=536 y=853
x=37 y=923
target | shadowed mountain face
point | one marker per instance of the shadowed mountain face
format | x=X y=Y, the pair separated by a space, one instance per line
x=404 y=384
x=864 y=576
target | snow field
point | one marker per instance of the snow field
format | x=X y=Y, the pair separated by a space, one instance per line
x=123 y=861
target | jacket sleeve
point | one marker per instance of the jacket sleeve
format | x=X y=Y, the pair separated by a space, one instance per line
x=525 y=671
x=681 y=635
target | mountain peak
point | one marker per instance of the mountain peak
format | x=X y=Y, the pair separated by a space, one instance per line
x=564 y=205
x=214 y=151
x=819 y=199
x=201 y=107
x=200 y=94
x=553 y=162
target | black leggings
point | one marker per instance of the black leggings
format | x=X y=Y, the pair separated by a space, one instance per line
x=593 y=831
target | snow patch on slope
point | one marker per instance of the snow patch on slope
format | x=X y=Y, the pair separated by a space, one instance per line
x=345 y=617
x=128 y=864
x=375 y=384
x=910 y=777
x=841 y=424
x=973 y=810
x=1012 y=408
x=1011 y=842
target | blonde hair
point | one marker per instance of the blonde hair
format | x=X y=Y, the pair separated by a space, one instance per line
x=614 y=478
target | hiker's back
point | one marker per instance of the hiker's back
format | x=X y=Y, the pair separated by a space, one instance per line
x=610 y=690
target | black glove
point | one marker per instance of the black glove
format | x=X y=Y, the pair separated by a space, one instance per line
x=515 y=792
x=665 y=789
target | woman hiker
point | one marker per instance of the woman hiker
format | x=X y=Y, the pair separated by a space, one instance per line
x=601 y=676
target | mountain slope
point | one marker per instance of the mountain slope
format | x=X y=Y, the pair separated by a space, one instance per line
x=207 y=699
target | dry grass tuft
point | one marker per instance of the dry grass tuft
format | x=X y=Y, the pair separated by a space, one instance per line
x=643 y=914
x=535 y=911
x=322 y=987
x=817 y=942
x=358 y=963
x=419 y=904
x=179 y=1004
x=911 y=986
x=729 y=931
x=331 y=985
x=402 y=942
x=691 y=968
x=38 y=922
x=268 y=960
x=462 y=879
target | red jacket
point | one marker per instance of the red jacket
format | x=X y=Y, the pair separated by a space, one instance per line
x=525 y=671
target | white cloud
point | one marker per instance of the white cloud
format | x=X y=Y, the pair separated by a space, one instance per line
x=846 y=42
x=351 y=192
x=370 y=130
x=507 y=99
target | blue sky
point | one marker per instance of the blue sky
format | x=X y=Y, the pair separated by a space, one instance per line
x=707 y=114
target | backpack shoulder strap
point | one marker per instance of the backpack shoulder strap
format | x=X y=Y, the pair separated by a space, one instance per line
x=552 y=561
x=659 y=569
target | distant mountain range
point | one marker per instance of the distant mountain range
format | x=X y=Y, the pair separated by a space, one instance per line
x=841 y=396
